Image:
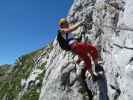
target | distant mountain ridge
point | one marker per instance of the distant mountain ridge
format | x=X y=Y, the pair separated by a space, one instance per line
x=22 y=81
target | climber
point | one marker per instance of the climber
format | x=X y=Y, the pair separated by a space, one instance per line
x=84 y=50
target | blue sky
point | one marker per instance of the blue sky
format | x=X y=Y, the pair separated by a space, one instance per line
x=27 y=25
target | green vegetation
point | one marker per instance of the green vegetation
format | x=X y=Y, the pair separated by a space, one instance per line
x=10 y=89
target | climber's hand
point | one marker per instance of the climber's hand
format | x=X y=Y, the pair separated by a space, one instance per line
x=82 y=22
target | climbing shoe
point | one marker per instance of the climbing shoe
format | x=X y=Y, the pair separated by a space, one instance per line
x=95 y=77
x=98 y=68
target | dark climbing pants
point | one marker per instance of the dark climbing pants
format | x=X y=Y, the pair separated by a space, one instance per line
x=85 y=51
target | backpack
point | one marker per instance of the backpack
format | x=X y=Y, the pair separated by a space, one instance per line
x=62 y=42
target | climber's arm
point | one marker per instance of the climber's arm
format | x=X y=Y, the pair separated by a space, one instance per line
x=72 y=28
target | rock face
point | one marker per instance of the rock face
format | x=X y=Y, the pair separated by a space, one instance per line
x=111 y=32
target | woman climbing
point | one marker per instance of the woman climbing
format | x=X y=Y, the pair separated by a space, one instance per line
x=84 y=50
